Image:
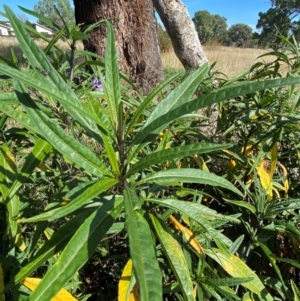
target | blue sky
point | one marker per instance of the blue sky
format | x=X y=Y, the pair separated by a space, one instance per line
x=235 y=11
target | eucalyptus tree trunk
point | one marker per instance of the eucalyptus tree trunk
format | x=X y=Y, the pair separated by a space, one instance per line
x=136 y=36
x=182 y=32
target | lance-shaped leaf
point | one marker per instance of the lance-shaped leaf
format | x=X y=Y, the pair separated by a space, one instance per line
x=142 y=252
x=142 y=106
x=193 y=210
x=58 y=241
x=90 y=193
x=35 y=157
x=272 y=260
x=80 y=248
x=199 y=213
x=17 y=115
x=189 y=175
x=175 y=257
x=8 y=173
x=8 y=170
x=237 y=268
x=58 y=138
x=174 y=153
x=112 y=80
x=209 y=99
x=296 y=291
x=188 y=234
x=181 y=95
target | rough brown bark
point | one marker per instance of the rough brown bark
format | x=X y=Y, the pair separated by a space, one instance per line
x=182 y=32
x=136 y=36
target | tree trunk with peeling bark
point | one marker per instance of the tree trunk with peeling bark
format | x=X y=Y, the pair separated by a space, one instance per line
x=136 y=36
x=182 y=32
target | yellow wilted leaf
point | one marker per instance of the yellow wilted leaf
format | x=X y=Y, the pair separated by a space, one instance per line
x=265 y=177
x=285 y=181
x=189 y=235
x=195 y=291
x=201 y=163
x=231 y=164
x=2 y=296
x=124 y=285
x=274 y=156
x=19 y=239
x=247 y=151
x=63 y=295
x=235 y=267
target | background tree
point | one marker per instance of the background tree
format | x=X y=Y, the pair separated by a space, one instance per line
x=136 y=36
x=22 y=17
x=204 y=25
x=47 y=8
x=210 y=27
x=220 y=29
x=281 y=18
x=240 y=35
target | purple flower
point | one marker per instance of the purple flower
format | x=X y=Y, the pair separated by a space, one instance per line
x=97 y=83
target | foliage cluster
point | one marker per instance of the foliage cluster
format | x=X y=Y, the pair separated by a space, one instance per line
x=108 y=194
x=213 y=29
x=60 y=12
x=283 y=18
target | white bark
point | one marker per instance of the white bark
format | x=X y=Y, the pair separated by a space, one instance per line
x=182 y=32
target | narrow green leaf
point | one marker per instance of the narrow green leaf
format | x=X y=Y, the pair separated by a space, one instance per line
x=142 y=107
x=180 y=95
x=243 y=204
x=272 y=260
x=199 y=213
x=293 y=262
x=41 y=17
x=89 y=194
x=55 y=135
x=236 y=244
x=228 y=281
x=112 y=81
x=209 y=99
x=35 y=157
x=175 y=257
x=189 y=175
x=174 y=153
x=111 y=154
x=13 y=211
x=142 y=252
x=193 y=209
x=296 y=291
x=80 y=248
x=237 y=268
x=8 y=170
x=17 y=115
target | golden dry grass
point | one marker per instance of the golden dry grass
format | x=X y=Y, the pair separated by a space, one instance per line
x=230 y=60
x=8 y=43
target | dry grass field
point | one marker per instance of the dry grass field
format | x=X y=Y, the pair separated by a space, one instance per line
x=230 y=61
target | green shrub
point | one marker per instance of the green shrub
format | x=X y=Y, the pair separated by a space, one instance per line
x=93 y=180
